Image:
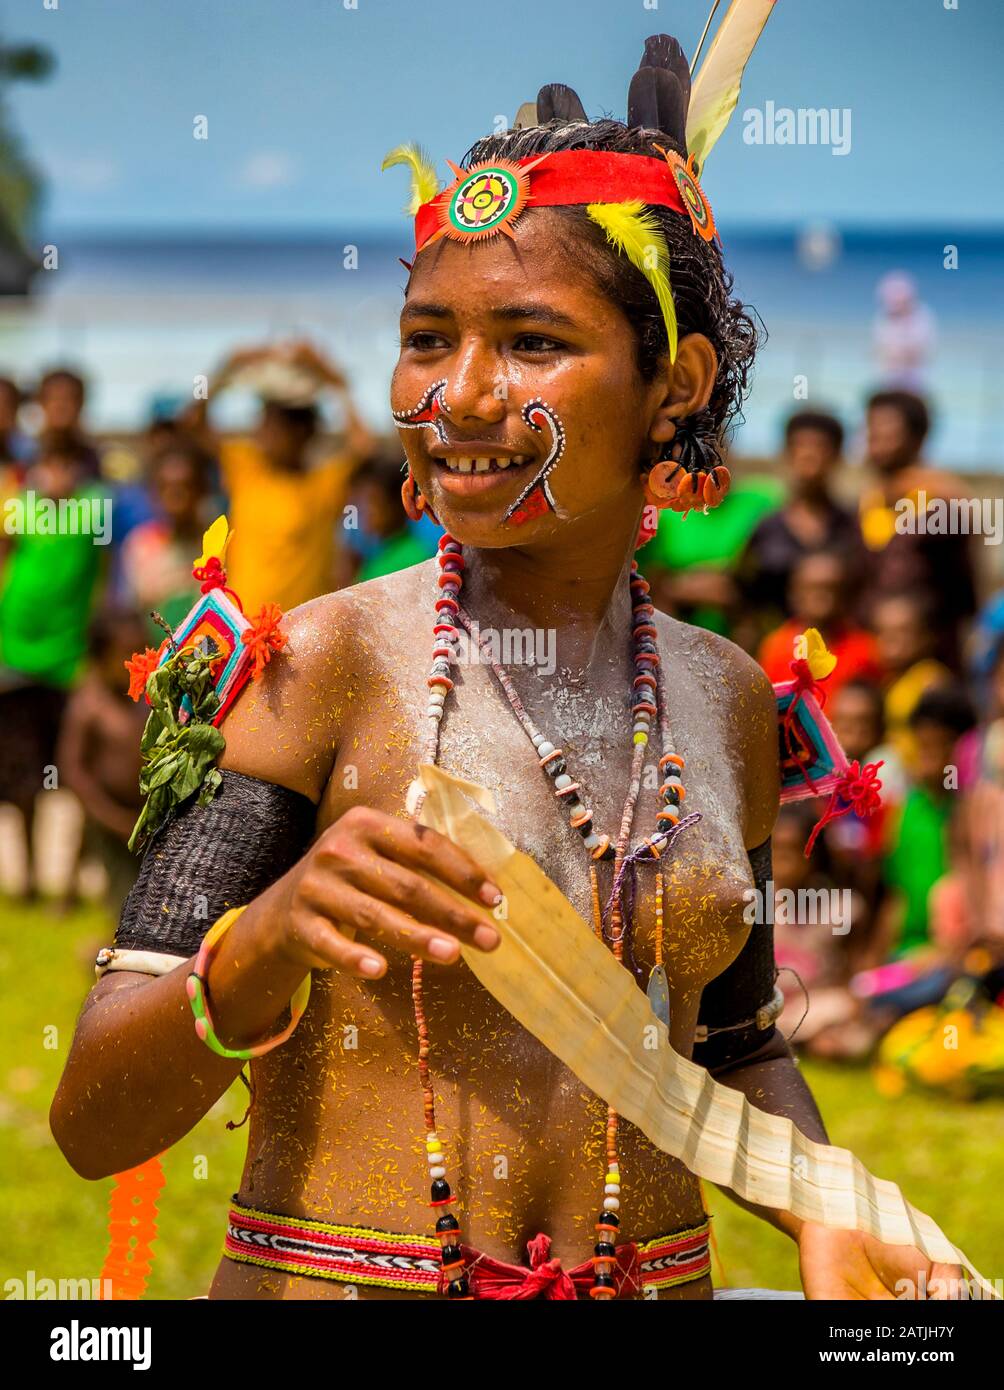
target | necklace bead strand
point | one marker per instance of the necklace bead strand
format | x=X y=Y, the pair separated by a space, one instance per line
x=648 y=703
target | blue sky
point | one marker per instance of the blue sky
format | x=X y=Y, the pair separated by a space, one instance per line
x=303 y=98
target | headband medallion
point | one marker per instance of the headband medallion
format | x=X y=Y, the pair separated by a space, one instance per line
x=698 y=208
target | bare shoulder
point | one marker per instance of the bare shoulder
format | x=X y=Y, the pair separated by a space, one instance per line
x=287 y=726
x=736 y=686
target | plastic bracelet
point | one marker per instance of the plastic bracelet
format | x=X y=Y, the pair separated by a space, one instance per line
x=198 y=997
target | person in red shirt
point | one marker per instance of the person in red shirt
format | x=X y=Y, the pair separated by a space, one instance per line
x=820 y=597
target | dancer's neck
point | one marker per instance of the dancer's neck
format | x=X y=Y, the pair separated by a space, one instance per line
x=579 y=593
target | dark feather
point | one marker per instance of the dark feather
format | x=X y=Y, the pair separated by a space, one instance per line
x=655 y=100
x=556 y=102
x=663 y=51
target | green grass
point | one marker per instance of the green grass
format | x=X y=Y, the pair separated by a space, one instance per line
x=948 y=1157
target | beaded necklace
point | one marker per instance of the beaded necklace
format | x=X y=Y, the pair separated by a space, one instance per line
x=648 y=703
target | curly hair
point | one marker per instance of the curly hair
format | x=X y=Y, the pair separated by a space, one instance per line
x=702 y=286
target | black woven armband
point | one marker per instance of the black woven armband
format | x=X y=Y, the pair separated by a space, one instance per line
x=210 y=858
x=738 y=1007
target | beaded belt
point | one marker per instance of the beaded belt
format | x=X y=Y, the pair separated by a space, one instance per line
x=358 y=1255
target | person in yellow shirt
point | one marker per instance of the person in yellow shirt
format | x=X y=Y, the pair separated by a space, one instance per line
x=286 y=496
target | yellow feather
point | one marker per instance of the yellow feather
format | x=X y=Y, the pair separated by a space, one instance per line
x=635 y=233
x=715 y=90
x=215 y=542
x=424 y=180
x=820 y=659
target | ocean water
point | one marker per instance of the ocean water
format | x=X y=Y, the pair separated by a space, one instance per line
x=144 y=316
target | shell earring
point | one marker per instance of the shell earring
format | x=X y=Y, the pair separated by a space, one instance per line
x=685 y=477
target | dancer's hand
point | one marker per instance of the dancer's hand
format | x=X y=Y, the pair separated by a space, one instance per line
x=850 y=1265
x=365 y=875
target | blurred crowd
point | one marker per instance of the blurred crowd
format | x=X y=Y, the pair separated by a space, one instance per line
x=914 y=894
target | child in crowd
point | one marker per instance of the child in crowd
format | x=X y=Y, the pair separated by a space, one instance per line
x=917 y=856
x=98 y=754
x=820 y=598
x=817 y=926
x=907 y=639
x=157 y=555
x=384 y=540
x=810 y=520
x=855 y=843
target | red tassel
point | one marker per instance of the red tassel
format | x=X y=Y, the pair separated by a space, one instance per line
x=858 y=790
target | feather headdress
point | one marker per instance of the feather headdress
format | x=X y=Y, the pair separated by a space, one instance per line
x=616 y=189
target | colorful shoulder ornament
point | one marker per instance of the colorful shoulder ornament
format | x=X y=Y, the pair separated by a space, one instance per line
x=813 y=764
x=190 y=682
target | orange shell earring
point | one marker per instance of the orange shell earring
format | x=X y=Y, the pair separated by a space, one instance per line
x=716 y=485
x=660 y=483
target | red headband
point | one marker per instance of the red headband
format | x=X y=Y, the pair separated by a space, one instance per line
x=488 y=197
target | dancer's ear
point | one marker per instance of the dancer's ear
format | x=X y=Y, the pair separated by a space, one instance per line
x=686 y=385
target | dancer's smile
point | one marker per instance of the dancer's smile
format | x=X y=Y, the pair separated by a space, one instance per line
x=475 y=466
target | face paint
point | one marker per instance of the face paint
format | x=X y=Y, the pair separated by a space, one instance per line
x=537 y=498
x=429 y=411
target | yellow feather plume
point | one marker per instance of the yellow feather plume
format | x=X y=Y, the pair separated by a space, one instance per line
x=215 y=542
x=424 y=179
x=635 y=233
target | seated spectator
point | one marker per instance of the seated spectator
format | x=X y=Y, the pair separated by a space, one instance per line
x=815 y=928
x=855 y=843
x=917 y=856
x=907 y=639
x=809 y=520
x=820 y=598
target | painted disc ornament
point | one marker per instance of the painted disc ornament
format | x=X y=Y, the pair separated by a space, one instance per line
x=699 y=209
x=484 y=200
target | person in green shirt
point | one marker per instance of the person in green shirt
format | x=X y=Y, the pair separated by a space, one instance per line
x=53 y=540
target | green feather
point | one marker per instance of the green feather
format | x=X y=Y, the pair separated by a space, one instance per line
x=424 y=180
x=635 y=233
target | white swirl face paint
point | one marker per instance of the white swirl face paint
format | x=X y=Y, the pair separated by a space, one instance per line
x=536 y=498
x=427 y=413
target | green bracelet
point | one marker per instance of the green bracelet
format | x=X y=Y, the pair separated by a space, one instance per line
x=198 y=996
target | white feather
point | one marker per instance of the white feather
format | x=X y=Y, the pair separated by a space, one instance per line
x=716 y=86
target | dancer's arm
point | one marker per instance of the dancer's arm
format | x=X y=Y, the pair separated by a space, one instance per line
x=138 y=1078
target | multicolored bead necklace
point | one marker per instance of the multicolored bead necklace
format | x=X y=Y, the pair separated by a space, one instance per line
x=648 y=704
